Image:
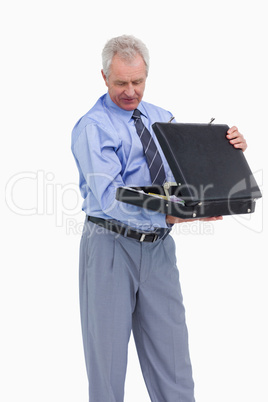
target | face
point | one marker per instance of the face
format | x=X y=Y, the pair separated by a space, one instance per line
x=126 y=82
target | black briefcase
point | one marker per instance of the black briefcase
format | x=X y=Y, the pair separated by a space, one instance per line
x=212 y=177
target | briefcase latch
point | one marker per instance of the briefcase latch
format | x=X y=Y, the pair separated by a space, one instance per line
x=167 y=186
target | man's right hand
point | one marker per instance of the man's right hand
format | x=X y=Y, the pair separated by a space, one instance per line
x=172 y=219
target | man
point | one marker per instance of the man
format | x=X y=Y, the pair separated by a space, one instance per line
x=128 y=274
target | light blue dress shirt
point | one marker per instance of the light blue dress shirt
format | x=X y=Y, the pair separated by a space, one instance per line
x=109 y=154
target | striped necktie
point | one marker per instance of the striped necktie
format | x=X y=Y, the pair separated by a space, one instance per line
x=152 y=154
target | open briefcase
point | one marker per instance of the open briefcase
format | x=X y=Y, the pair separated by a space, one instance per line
x=212 y=177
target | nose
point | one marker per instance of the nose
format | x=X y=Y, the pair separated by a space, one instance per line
x=129 y=91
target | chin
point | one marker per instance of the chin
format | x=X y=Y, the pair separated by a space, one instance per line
x=129 y=108
x=129 y=105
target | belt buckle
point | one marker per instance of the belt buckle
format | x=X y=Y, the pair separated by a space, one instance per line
x=155 y=238
x=142 y=238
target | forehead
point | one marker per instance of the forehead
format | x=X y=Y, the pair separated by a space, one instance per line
x=127 y=70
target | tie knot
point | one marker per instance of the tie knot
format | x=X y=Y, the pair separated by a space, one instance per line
x=136 y=114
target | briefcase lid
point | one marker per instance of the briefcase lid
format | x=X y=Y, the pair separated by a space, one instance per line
x=204 y=164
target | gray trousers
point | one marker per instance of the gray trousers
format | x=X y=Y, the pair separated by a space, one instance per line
x=130 y=285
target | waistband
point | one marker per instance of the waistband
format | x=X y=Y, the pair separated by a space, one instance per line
x=127 y=231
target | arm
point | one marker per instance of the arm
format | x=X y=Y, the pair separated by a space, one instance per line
x=96 y=154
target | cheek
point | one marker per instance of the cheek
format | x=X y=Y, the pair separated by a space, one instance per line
x=117 y=92
x=113 y=94
x=140 y=91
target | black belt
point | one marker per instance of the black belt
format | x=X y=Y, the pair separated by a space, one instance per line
x=128 y=232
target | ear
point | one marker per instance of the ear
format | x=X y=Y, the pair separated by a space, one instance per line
x=104 y=77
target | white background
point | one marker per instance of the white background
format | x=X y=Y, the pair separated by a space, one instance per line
x=208 y=59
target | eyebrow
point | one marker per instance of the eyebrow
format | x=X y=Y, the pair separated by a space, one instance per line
x=120 y=82
x=139 y=80
x=125 y=82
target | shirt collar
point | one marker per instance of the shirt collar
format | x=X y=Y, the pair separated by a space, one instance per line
x=123 y=114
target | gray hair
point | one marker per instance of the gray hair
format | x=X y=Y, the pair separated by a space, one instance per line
x=127 y=47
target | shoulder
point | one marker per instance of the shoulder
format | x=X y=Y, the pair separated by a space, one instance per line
x=96 y=117
x=156 y=113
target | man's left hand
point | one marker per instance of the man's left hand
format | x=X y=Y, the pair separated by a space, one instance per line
x=236 y=138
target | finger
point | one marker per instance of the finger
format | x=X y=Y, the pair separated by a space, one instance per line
x=212 y=218
x=232 y=130
x=232 y=134
x=237 y=140
x=241 y=146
